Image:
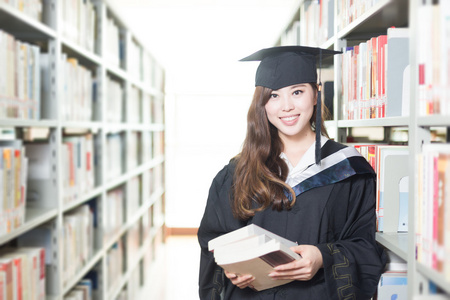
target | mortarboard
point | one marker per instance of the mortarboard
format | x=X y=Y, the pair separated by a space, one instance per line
x=288 y=65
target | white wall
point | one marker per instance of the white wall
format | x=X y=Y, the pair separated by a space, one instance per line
x=205 y=131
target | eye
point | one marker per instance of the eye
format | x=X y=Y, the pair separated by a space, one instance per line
x=273 y=96
x=297 y=92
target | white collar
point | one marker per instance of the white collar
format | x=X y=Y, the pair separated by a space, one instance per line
x=308 y=159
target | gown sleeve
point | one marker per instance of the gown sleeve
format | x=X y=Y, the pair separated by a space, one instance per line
x=354 y=262
x=217 y=220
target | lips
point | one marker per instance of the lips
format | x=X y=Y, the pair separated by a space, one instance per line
x=289 y=118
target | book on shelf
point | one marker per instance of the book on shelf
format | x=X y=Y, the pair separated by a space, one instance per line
x=28 y=271
x=375 y=77
x=112 y=54
x=397 y=76
x=79 y=22
x=6 y=278
x=78 y=169
x=78 y=240
x=364 y=79
x=76 y=85
x=86 y=286
x=253 y=250
x=433 y=206
x=20 y=78
x=393 y=285
x=390 y=163
x=115 y=93
x=41 y=237
x=31 y=8
x=432 y=58
x=115 y=263
x=13 y=178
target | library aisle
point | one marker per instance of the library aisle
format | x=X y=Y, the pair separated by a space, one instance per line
x=175 y=273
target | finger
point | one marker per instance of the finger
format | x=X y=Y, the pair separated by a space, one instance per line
x=289 y=266
x=244 y=281
x=230 y=275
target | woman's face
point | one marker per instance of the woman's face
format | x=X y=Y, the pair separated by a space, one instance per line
x=289 y=109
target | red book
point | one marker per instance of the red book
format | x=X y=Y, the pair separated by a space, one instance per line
x=381 y=75
x=6 y=273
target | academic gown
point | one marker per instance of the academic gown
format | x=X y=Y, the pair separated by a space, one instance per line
x=334 y=210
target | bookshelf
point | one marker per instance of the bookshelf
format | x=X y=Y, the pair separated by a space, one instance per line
x=88 y=111
x=341 y=24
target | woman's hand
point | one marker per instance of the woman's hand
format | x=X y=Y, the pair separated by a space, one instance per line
x=240 y=281
x=302 y=269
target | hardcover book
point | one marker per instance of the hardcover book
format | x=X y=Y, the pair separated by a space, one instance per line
x=253 y=250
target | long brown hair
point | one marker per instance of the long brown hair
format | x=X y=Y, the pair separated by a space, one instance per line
x=260 y=175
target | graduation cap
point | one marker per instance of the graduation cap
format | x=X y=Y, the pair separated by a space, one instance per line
x=288 y=65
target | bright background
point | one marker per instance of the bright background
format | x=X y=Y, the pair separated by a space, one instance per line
x=199 y=43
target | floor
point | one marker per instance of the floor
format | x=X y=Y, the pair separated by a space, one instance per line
x=174 y=275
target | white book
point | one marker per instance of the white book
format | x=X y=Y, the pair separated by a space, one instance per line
x=258 y=261
x=253 y=250
x=244 y=233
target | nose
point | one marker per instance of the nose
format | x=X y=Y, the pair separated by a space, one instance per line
x=288 y=104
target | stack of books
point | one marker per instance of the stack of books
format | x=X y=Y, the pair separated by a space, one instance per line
x=253 y=250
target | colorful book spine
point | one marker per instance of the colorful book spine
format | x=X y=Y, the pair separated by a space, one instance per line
x=13 y=188
x=20 y=79
x=433 y=46
x=78 y=172
x=76 y=84
x=22 y=270
x=374 y=77
x=433 y=202
x=390 y=164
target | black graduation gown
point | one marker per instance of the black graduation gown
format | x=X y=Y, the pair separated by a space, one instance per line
x=336 y=215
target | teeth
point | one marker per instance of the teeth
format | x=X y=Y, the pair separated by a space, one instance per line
x=289 y=118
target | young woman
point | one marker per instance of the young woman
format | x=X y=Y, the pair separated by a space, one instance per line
x=294 y=181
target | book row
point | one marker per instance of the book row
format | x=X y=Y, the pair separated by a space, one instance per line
x=393 y=283
x=319 y=22
x=84 y=290
x=115 y=213
x=433 y=208
x=87 y=288
x=390 y=163
x=32 y=8
x=113 y=51
x=13 y=187
x=348 y=11
x=375 y=77
x=20 y=78
x=78 y=88
x=22 y=273
x=25 y=82
x=80 y=240
x=317 y=25
x=79 y=22
x=115 y=93
x=433 y=46
x=77 y=240
x=115 y=263
x=26 y=175
x=78 y=171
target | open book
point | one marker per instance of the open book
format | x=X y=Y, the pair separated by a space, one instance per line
x=253 y=250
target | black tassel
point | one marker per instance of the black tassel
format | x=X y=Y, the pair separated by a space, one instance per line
x=318 y=124
x=319 y=112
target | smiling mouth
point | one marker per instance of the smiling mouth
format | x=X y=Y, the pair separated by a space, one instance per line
x=289 y=118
